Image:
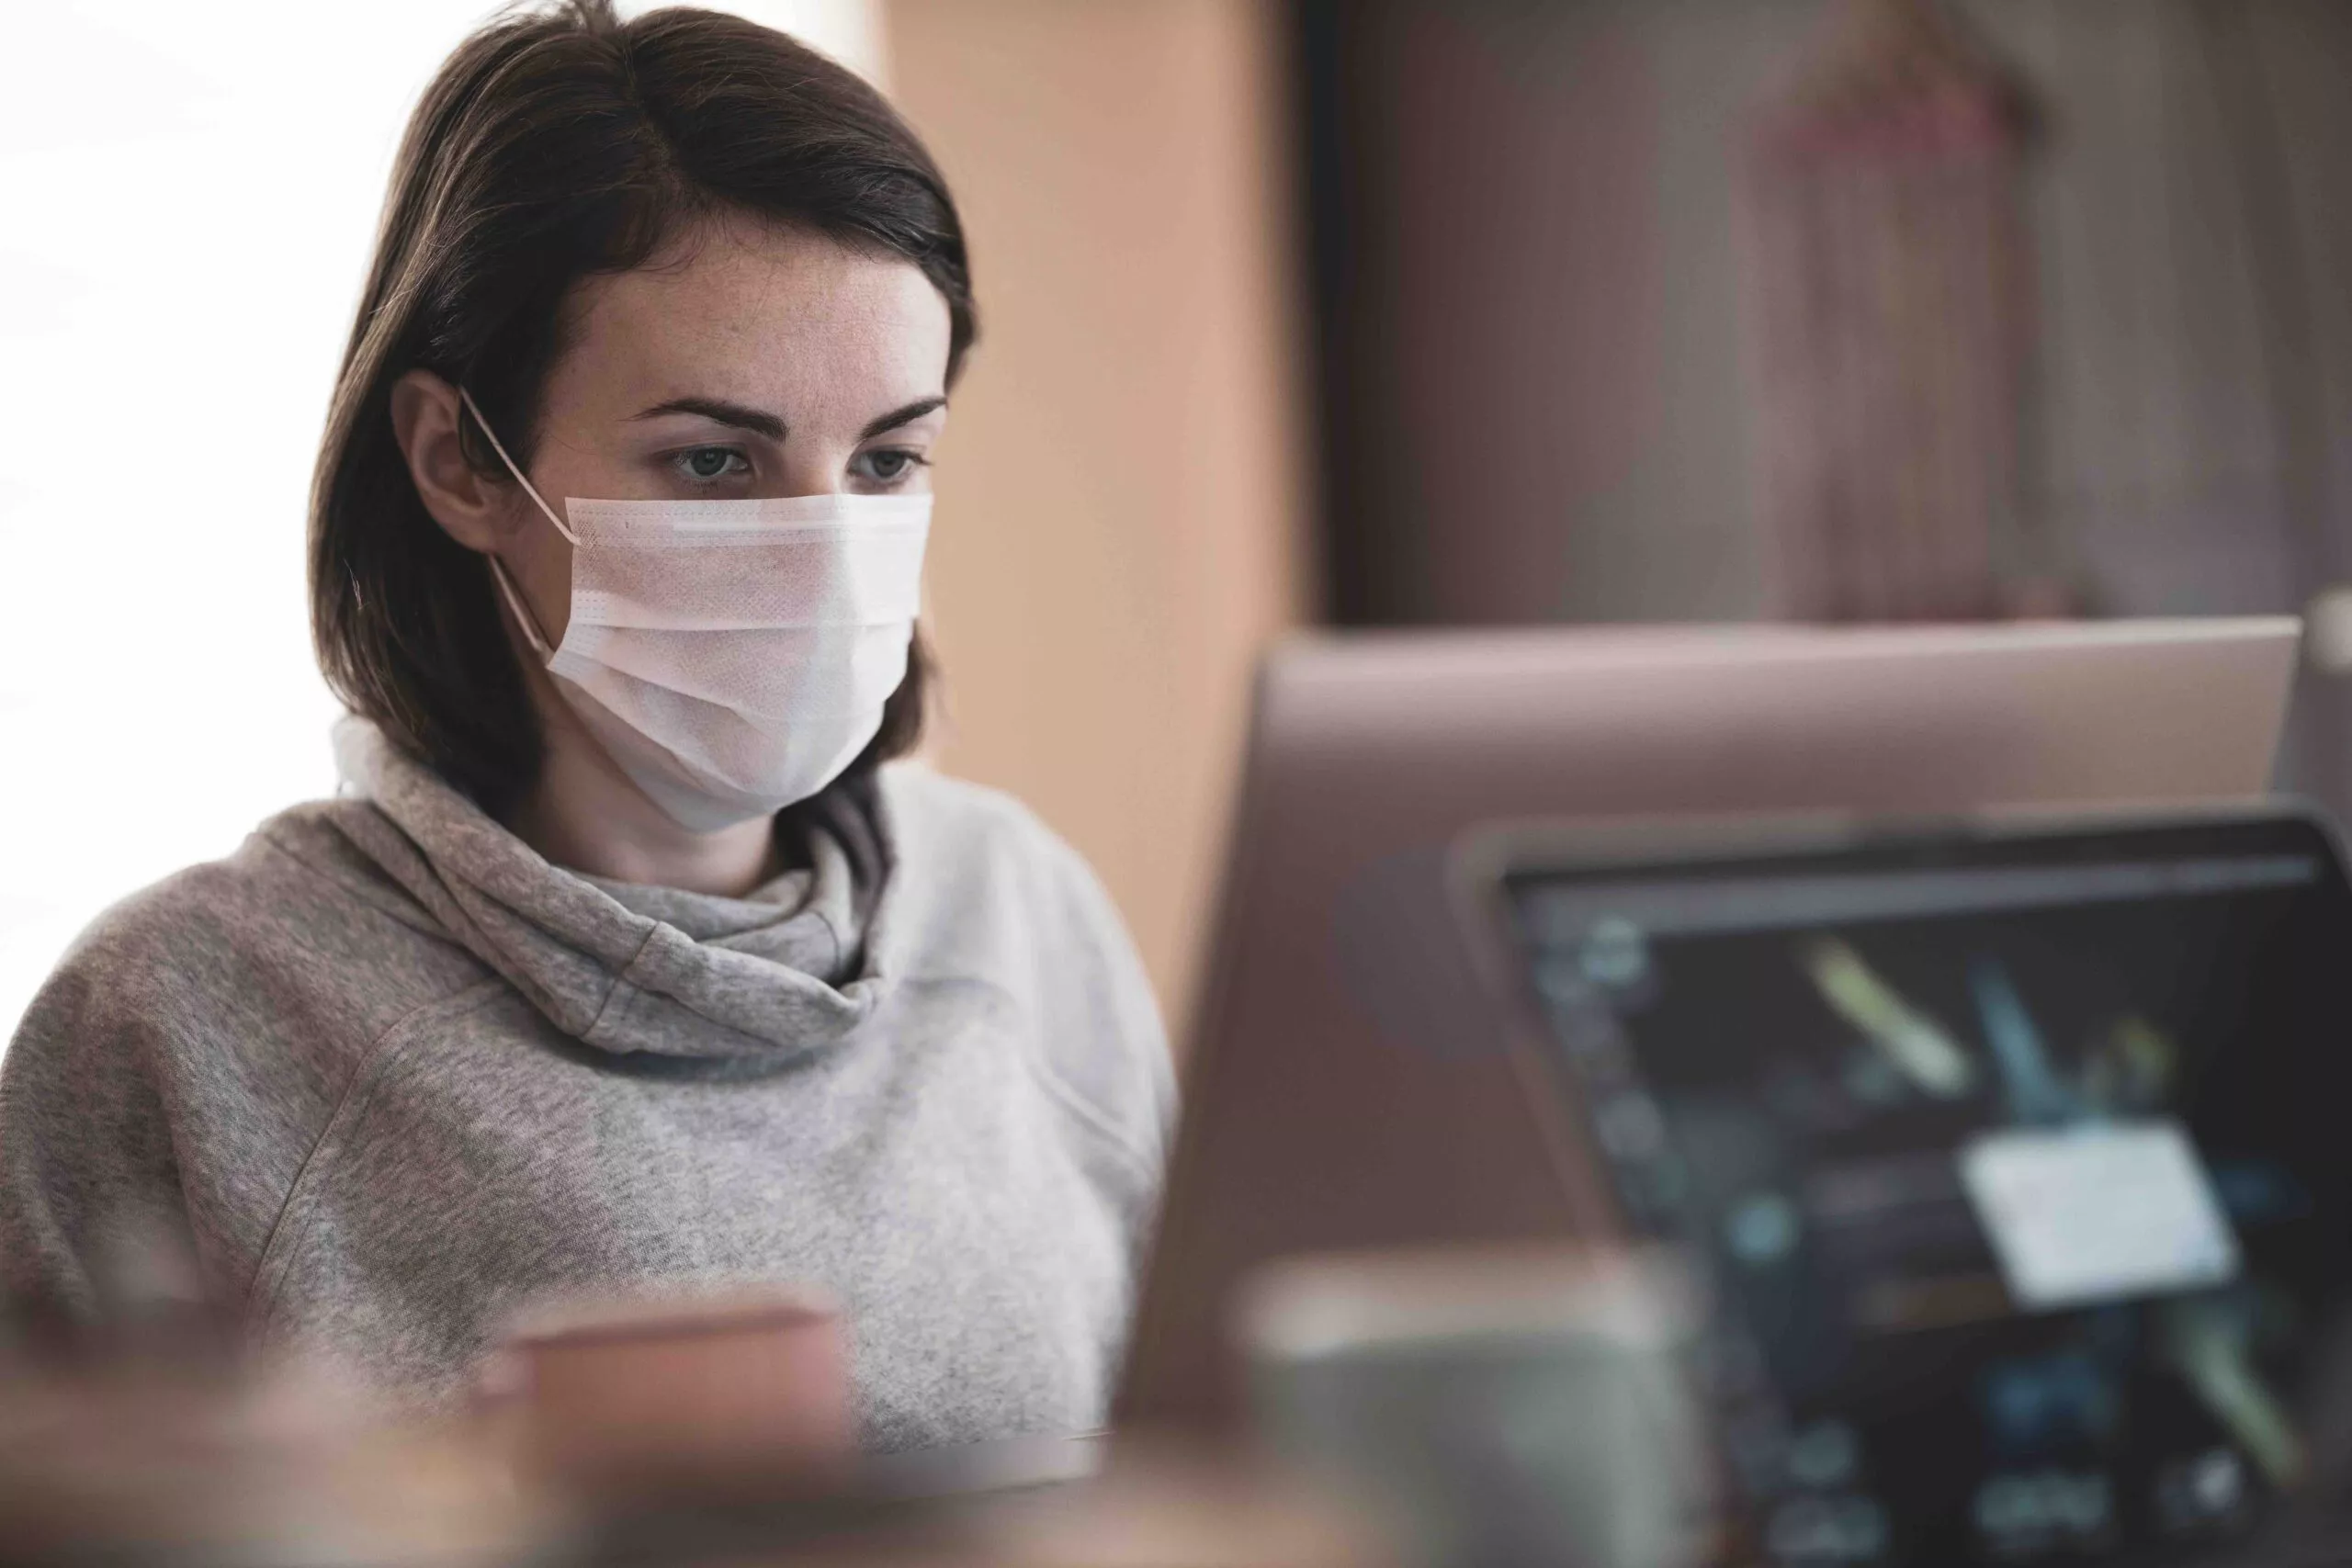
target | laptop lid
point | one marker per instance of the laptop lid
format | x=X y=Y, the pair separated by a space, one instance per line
x=1345 y=1084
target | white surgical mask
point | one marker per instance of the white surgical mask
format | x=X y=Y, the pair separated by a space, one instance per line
x=732 y=656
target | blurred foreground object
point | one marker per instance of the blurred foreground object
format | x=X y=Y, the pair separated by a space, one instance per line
x=209 y=1469
x=199 y=1466
x=1891 y=311
x=1166 y=1508
x=151 y=1436
x=720 y=1428
x=689 y=1428
x=2328 y=639
x=745 y=1390
x=1507 y=1405
x=1150 y=1507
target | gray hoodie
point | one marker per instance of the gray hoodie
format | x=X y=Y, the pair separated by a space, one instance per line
x=399 y=1076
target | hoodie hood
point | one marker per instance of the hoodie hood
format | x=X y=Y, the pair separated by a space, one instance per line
x=793 y=967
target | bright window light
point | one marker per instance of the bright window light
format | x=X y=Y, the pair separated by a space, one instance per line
x=192 y=194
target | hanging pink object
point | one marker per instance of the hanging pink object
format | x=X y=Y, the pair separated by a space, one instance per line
x=1890 y=307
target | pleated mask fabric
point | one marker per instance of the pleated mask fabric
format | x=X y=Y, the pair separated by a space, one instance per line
x=732 y=657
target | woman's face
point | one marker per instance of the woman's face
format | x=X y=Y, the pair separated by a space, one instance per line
x=751 y=362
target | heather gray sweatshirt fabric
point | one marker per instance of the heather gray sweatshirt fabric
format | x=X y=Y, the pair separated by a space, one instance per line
x=400 y=1076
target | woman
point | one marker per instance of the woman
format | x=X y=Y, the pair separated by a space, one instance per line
x=621 y=964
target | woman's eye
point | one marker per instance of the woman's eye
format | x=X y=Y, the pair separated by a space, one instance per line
x=888 y=464
x=707 y=463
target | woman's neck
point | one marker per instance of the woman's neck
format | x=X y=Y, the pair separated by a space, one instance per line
x=584 y=813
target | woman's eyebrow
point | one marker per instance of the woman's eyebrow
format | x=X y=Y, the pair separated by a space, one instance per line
x=896 y=417
x=721 y=412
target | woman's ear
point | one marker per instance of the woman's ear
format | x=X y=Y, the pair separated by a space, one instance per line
x=469 y=508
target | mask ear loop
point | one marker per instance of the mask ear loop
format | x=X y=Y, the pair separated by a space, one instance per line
x=522 y=612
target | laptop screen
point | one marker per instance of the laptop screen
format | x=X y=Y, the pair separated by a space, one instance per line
x=2021 y=1171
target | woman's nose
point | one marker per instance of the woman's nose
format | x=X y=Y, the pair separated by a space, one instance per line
x=810 y=474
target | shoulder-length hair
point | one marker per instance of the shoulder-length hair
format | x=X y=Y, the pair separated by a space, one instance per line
x=553 y=145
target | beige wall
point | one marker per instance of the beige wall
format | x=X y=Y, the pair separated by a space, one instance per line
x=1119 y=524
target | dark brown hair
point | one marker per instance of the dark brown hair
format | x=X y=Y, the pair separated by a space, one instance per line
x=553 y=145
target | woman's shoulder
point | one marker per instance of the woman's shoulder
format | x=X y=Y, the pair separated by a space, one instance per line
x=942 y=812
x=283 y=923
x=186 y=928
x=960 y=847
x=190 y=1046
x=269 y=890
x=989 y=892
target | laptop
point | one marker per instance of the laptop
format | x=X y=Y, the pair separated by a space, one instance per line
x=2013 y=1156
x=1349 y=1082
